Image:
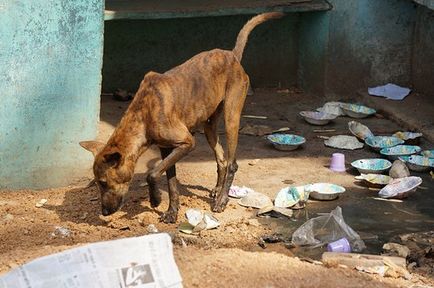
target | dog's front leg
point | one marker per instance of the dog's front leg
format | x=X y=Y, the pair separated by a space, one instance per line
x=170 y=157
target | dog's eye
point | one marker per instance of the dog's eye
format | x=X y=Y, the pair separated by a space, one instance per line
x=103 y=184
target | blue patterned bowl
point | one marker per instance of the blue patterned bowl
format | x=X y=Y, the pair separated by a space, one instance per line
x=374 y=166
x=428 y=153
x=418 y=163
x=357 y=111
x=286 y=142
x=379 y=142
x=324 y=191
x=401 y=150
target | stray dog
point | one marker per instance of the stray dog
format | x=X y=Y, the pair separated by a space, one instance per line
x=165 y=109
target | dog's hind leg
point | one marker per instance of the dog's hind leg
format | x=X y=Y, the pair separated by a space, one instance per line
x=171 y=156
x=234 y=103
x=211 y=134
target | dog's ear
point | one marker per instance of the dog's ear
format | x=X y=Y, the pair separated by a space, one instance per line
x=93 y=146
x=113 y=159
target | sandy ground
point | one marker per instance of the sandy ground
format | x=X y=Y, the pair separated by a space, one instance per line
x=228 y=256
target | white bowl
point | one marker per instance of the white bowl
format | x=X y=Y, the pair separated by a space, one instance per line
x=317 y=118
x=324 y=191
x=401 y=187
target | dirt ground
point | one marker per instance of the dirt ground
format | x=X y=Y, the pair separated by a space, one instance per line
x=229 y=255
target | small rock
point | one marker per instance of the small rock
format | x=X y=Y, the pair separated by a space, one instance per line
x=123 y=228
x=61 y=231
x=41 y=203
x=261 y=243
x=151 y=228
x=396 y=248
x=253 y=222
x=253 y=162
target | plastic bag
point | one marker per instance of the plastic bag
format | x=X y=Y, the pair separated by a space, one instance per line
x=325 y=229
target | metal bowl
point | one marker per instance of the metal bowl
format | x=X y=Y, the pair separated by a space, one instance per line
x=374 y=180
x=379 y=142
x=324 y=191
x=317 y=118
x=400 y=188
x=286 y=142
x=410 y=138
x=373 y=166
x=357 y=111
x=418 y=163
x=393 y=153
x=359 y=130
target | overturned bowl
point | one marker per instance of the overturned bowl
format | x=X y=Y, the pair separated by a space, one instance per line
x=324 y=191
x=317 y=118
x=373 y=166
x=379 y=142
x=393 y=153
x=359 y=130
x=400 y=188
x=409 y=137
x=427 y=153
x=286 y=142
x=418 y=163
x=357 y=111
x=374 y=180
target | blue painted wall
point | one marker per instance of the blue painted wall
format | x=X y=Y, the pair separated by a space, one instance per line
x=50 y=75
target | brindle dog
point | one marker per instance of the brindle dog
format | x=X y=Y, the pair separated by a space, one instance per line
x=165 y=109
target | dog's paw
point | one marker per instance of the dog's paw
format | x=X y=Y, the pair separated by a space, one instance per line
x=219 y=204
x=169 y=217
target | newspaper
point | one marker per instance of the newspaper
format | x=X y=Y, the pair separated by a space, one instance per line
x=136 y=262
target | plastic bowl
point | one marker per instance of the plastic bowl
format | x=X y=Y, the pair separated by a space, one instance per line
x=411 y=138
x=359 y=130
x=393 y=153
x=374 y=180
x=379 y=142
x=357 y=111
x=418 y=163
x=317 y=118
x=286 y=142
x=373 y=166
x=324 y=191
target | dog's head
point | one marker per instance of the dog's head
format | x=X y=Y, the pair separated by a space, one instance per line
x=112 y=174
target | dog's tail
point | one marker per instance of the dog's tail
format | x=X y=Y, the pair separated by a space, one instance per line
x=250 y=25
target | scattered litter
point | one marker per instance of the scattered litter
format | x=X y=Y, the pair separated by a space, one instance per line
x=332 y=108
x=151 y=228
x=122 y=95
x=388 y=200
x=92 y=266
x=286 y=142
x=418 y=163
x=261 y=243
x=198 y=221
x=409 y=137
x=400 y=188
x=317 y=118
x=324 y=130
x=41 y=203
x=379 y=142
x=255 y=200
x=357 y=111
x=324 y=191
x=396 y=249
x=399 y=169
x=255 y=117
x=325 y=229
x=283 y=129
x=289 y=196
x=337 y=163
x=359 y=130
x=374 y=180
x=274 y=238
x=393 y=153
x=256 y=130
x=343 y=142
x=341 y=245
x=373 y=165
x=389 y=91
x=61 y=231
x=239 y=192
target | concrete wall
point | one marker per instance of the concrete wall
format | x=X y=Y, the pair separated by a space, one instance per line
x=50 y=75
x=423 y=51
x=134 y=47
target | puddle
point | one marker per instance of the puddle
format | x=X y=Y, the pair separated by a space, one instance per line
x=375 y=221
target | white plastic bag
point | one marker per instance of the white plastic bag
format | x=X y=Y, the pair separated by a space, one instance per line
x=325 y=229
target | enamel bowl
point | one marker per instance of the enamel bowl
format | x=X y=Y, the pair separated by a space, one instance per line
x=317 y=118
x=286 y=142
x=400 y=188
x=324 y=191
x=428 y=153
x=359 y=130
x=373 y=166
x=379 y=142
x=409 y=137
x=289 y=196
x=393 y=153
x=374 y=180
x=418 y=163
x=357 y=111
